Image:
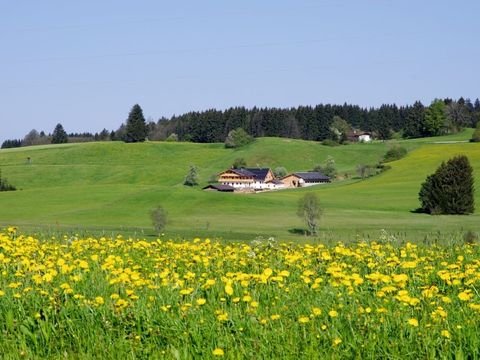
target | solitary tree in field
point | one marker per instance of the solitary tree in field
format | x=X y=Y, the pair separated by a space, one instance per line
x=59 y=135
x=310 y=211
x=136 y=129
x=192 y=176
x=450 y=189
x=159 y=218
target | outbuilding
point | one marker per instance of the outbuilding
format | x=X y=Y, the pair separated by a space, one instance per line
x=303 y=179
x=219 y=187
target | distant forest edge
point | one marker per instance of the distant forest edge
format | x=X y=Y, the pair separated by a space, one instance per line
x=318 y=123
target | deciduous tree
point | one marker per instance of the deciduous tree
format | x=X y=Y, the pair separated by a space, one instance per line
x=310 y=211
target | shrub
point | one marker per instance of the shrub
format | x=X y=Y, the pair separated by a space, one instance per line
x=5 y=185
x=476 y=134
x=395 y=153
x=237 y=138
x=280 y=172
x=239 y=163
x=172 y=137
x=450 y=189
x=328 y=168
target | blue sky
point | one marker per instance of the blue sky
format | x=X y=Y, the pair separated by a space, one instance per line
x=85 y=64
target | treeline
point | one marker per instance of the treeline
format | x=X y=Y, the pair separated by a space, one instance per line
x=57 y=137
x=442 y=116
x=316 y=123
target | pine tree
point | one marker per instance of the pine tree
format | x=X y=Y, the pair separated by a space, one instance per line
x=450 y=189
x=414 y=123
x=192 y=176
x=136 y=129
x=59 y=135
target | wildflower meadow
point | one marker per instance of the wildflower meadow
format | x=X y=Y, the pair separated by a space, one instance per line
x=123 y=298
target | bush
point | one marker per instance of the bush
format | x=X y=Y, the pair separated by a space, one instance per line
x=280 y=172
x=172 y=137
x=476 y=134
x=450 y=189
x=5 y=185
x=239 y=163
x=237 y=138
x=328 y=168
x=395 y=153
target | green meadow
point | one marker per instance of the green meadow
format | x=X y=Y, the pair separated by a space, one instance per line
x=111 y=187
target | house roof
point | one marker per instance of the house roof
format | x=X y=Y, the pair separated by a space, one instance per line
x=219 y=187
x=256 y=173
x=312 y=176
x=276 y=182
x=357 y=133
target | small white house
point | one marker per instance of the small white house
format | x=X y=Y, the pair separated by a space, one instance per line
x=365 y=137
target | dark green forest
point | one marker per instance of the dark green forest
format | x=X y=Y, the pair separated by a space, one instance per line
x=442 y=116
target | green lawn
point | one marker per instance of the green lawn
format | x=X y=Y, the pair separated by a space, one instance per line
x=111 y=187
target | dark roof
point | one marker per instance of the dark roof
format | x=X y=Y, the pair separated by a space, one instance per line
x=219 y=187
x=276 y=181
x=312 y=176
x=256 y=173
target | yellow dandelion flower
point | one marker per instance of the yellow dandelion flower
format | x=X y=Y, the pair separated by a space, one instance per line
x=413 y=322
x=465 y=295
x=186 y=291
x=333 y=313
x=337 y=341
x=247 y=298
x=445 y=333
x=218 y=352
x=275 y=317
x=229 y=289
x=316 y=311
x=99 y=300
x=201 y=301
x=303 y=319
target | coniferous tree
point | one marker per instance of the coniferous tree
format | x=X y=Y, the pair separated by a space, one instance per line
x=59 y=135
x=192 y=176
x=136 y=129
x=415 y=121
x=450 y=189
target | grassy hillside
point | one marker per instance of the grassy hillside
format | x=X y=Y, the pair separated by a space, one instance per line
x=113 y=186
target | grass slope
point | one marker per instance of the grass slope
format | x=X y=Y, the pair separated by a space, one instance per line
x=113 y=186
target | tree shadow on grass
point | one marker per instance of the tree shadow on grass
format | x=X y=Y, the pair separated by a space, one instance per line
x=297 y=231
x=418 y=211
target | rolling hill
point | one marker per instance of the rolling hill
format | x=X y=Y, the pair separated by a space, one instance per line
x=113 y=186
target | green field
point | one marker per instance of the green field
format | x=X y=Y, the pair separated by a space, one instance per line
x=111 y=187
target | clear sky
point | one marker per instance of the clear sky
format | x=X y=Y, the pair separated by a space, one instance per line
x=84 y=64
